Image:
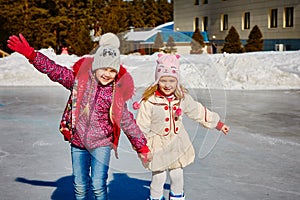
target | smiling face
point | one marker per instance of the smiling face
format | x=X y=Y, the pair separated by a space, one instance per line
x=105 y=75
x=167 y=85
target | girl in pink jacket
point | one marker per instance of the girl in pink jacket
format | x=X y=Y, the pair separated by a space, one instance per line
x=95 y=112
x=160 y=119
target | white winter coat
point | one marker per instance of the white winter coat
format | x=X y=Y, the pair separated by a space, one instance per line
x=167 y=139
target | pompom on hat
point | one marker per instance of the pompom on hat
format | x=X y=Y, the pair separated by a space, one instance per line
x=108 y=54
x=109 y=39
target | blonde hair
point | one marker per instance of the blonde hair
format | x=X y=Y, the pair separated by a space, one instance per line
x=179 y=92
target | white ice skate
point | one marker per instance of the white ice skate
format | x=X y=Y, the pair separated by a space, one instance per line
x=176 y=196
x=161 y=198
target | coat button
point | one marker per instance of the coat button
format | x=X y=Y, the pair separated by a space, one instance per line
x=176 y=129
x=166 y=129
x=174 y=108
x=176 y=118
x=166 y=107
x=167 y=119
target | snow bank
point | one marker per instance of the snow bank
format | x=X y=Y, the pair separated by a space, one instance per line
x=250 y=71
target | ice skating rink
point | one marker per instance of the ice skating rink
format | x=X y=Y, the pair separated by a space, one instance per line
x=259 y=159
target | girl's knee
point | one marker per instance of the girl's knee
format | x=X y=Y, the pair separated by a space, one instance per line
x=81 y=191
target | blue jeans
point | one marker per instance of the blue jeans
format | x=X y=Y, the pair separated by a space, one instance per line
x=90 y=171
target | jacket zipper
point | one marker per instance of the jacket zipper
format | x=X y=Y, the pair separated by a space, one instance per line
x=86 y=131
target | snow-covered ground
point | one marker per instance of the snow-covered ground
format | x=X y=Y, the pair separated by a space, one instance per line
x=252 y=71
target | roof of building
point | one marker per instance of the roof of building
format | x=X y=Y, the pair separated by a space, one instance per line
x=166 y=30
x=140 y=36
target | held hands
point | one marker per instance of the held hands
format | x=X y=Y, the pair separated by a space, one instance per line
x=145 y=157
x=144 y=154
x=20 y=45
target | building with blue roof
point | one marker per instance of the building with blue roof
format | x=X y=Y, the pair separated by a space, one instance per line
x=143 y=41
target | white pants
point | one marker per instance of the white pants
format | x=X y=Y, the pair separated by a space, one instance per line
x=159 y=179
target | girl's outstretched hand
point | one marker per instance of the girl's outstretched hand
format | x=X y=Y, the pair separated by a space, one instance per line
x=20 y=45
x=225 y=129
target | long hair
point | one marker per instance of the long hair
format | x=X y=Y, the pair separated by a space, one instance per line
x=179 y=92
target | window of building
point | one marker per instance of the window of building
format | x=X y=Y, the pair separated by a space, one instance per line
x=196 y=2
x=205 y=23
x=288 y=17
x=196 y=23
x=204 y=1
x=224 y=22
x=246 y=20
x=273 y=18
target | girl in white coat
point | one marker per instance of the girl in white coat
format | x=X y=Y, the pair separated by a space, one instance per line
x=160 y=119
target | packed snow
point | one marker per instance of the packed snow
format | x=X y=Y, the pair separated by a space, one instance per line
x=250 y=71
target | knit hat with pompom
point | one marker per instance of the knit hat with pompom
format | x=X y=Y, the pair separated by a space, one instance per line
x=108 y=54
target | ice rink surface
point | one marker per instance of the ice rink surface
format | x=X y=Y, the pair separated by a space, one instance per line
x=259 y=159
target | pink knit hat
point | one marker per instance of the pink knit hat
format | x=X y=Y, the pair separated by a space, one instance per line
x=167 y=65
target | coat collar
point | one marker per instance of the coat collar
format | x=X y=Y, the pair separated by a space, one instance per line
x=160 y=99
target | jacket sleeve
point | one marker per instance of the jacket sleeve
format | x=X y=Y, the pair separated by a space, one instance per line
x=131 y=129
x=199 y=113
x=143 y=118
x=55 y=72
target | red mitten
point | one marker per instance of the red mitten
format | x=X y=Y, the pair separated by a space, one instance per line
x=145 y=154
x=20 y=45
x=219 y=125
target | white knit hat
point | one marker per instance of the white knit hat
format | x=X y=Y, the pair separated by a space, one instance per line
x=109 y=39
x=108 y=54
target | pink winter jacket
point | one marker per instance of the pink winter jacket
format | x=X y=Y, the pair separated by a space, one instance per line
x=93 y=125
